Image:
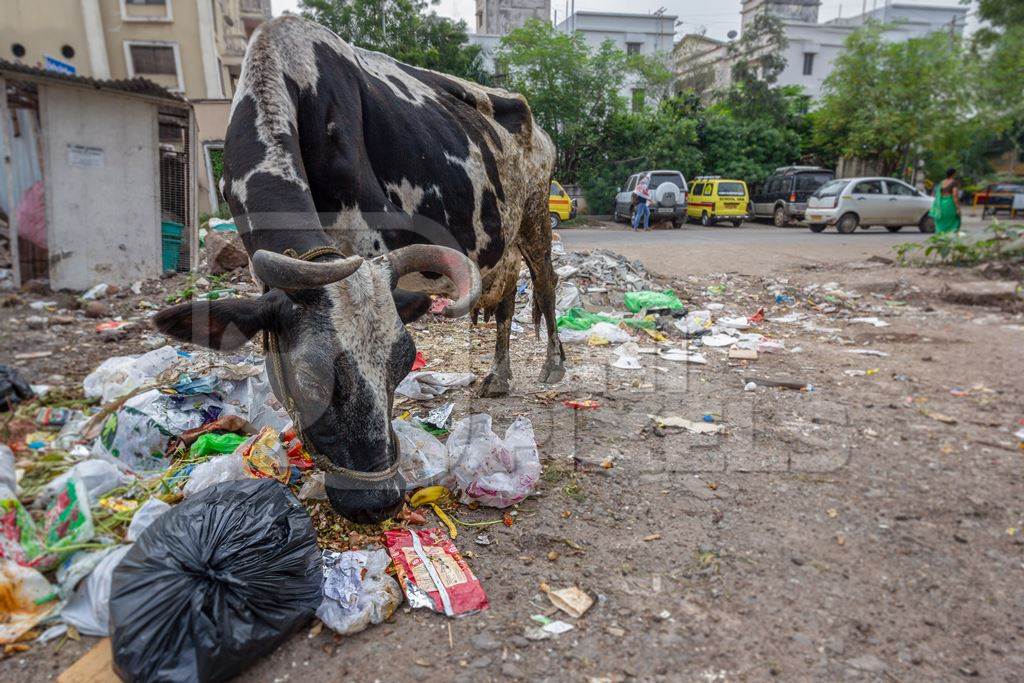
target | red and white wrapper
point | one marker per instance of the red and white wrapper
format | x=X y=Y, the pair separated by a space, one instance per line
x=432 y=572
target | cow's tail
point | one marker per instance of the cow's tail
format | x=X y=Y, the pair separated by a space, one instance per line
x=265 y=181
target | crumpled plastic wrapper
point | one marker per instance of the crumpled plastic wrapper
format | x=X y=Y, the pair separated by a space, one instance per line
x=357 y=590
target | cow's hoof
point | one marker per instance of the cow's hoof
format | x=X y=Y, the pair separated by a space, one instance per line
x=495 y=385
x=552 y=372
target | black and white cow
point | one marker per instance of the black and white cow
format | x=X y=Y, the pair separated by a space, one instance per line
x=345 y=170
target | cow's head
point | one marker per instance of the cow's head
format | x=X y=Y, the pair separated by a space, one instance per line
x=338 y=348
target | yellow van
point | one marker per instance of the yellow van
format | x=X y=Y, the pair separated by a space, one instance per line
x=560 y=206
x=714 y=199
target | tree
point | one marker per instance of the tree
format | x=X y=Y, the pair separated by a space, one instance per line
x=757 y=61
x=403 y=29
x=572 y=90
x=998 y=76
x=887 y=101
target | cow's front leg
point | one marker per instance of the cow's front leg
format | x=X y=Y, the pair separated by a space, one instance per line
x=498 y=380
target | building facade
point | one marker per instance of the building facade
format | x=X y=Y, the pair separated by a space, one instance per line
x=498 y=17
x=812 y=46
x=652 y=35
x=191 y=47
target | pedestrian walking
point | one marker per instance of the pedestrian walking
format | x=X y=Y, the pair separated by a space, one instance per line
x=946 y=207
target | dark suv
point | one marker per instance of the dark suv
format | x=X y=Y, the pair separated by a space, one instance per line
x=783 y=196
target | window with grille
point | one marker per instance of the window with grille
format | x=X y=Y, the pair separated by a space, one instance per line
x=633 y=48
x=154 y=60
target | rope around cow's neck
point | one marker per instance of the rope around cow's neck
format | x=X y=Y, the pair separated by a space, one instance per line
x=273 y=349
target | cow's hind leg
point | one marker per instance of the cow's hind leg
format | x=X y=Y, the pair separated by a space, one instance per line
x=499 y=379
x=535 y=245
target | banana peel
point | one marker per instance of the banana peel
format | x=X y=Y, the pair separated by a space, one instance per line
x=429 y=496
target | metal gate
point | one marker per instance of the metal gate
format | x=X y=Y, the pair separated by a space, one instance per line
x=176 y=189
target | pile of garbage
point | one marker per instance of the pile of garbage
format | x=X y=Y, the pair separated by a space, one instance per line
x=584 y=278
x=177 y=511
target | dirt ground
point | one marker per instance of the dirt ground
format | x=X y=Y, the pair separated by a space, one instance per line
x=867 y=529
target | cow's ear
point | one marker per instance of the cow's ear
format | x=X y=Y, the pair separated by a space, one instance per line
x=224 y=325
x=411 y=305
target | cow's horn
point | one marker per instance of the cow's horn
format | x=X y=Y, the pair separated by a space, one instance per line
x=433 y=258
x=285 y=272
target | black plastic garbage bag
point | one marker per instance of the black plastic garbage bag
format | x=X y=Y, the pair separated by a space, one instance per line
x=215 y=583
x=13 y=389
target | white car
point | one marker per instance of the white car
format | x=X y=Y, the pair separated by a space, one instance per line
x=850 y=202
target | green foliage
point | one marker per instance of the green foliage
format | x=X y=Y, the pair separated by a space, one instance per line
x=574 y=93
x=403 y=29
x=757 y=63
x=886 y=100
x=999 y=243
x=572 y=89
x=665 y=137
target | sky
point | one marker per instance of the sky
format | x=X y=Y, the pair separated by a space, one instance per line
x=717 y=18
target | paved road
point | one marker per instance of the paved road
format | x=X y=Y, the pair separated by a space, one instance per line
x=752 y=248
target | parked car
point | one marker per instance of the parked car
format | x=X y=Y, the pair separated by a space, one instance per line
x=998 y=197
x=714 y=199
x=783 y=196
x=560 y=206
x=850 y=202
x=668 y=190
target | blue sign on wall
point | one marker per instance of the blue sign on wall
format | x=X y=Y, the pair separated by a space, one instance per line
x=54 y=64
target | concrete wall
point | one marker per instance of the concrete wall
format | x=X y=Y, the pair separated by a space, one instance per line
x=212 y=121
x=103 y=208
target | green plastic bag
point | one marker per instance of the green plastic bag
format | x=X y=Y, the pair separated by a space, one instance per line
x=215 y=443
x=579 y=319
x=638 y=301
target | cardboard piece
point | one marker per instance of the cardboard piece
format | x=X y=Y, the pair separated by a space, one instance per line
x=95 y=666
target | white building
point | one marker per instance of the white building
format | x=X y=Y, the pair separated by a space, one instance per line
x=643 y=34
x=498 y=17
x=812 y=46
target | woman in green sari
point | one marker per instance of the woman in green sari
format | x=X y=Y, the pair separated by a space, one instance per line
x=946 y=207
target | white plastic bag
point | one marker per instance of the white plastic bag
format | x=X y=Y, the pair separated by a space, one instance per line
x=428 y=384
x=99 y=476
x=89 y=607
x=610 y=332
x=120 y=375
x=490 y=470
x=694 y=322
x=567 y=296
x=314 y=487
x=144 y=516
x=8 y=475
x=627 y=357
x=136 y=435
x=568 y=336
x=357 y=590
x=423 y=460
x=88 y=610
x=220 y=468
